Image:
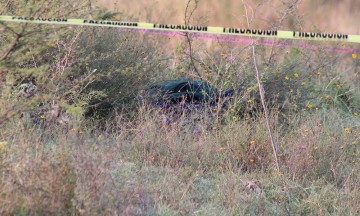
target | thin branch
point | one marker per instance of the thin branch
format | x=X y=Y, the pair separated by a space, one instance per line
x=285 y=14
x=6 y=5
x=8 y=28
x=187 y=35
x=262 y=95
x=15 y=43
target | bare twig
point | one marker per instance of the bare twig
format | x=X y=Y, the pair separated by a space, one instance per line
x=262 y=96
x=62 y=63
x=15 y=43
x=280 y=22
x=187 y=35
x=8 y=2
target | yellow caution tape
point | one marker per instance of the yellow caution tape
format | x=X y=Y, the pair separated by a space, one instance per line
x=190 y=28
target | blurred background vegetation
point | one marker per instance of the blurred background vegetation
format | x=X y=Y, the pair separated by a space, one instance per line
x=75 y=140
x=329 y=16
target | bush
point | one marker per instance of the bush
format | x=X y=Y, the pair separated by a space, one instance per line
x=215 y=162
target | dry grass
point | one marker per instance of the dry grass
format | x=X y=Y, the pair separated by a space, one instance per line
x=218 y=162
x=154 y=169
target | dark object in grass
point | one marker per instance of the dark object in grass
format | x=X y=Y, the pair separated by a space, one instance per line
x=186 y=92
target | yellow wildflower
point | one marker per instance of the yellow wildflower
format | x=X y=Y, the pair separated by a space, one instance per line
x=252 y=142
x=2 y=147
x=353 y=142
x=309 y=106
x=221 y=149
x=354 y=55
x=327 y=96
x=318 y=72
x=286 y=77
x=296 y=75
x=280 y=174
x=249 y=101
x=42 y=117
x=347 y=130
x=302 y=83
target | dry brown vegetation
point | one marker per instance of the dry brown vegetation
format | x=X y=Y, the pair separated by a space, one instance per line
x=115 y=156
